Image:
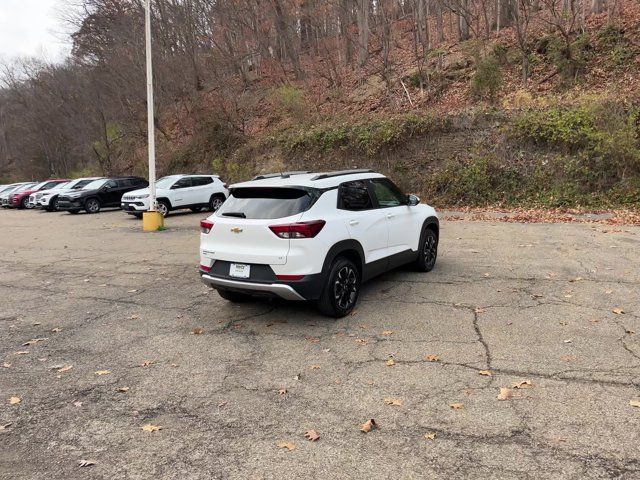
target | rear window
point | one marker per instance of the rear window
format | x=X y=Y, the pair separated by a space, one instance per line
x=266 y=203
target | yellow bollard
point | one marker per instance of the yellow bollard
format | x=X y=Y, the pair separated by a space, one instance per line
x=152 y=221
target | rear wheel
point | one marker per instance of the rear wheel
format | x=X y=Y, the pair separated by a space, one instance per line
x=92 y=205
x=235 y=297
x=428 y=251
x=216 y=202
x=341 y=289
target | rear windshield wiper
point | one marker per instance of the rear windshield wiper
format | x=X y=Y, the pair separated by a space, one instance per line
x=234 y=214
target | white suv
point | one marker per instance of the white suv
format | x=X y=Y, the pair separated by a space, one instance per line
x=48 y=199
x=176 y=192
x=309 y=236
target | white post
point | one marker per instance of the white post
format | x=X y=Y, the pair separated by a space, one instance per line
x=150 y=113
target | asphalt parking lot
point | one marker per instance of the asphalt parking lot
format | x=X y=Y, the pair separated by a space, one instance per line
x=106 y=330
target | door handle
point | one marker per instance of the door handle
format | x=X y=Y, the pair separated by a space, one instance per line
x=353 y=222
x=390 y=215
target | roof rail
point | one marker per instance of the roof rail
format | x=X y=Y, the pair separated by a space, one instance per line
x=341 y=173
x=281 y=174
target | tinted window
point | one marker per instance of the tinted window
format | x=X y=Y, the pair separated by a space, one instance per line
x=266 y=203
x=354 y=196
x=124 y=182
x=387 y=194
x=182 y=183
x=200 y=181
x=112 y=184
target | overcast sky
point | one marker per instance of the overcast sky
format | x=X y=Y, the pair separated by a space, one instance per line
x=32 y=28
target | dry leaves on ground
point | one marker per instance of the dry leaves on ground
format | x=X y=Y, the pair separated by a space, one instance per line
x=66 y=368
x=315 y=367
x=396 y=402
x=312 y=435
x=432 y=358
x=368 y=426
x=618 y=311
x=486 y=373
x=288 y=445
x=312 y=339
x=390 y=362
x=634 y=403
x=146 y=363
x=22 y=352
x=282 y=391
x=430 y=436
x=134 y=317
x=123 y=389
x=522 y=384
x=197 y=331
x=103 y=372
x=86 y=463
x=14 y=400
x=6 y=365
x=151 y=428
x=34 y=341
x=56 y=330
x=507 y=393
x=5 y=426
x=456 y=406
x=387 y=332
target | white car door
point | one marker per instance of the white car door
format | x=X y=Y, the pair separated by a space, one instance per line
x=203 y=188
x=366 y=224
x=182 y=192
x=403 y=221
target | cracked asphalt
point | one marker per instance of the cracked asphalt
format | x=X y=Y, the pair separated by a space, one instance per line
x=525 y=301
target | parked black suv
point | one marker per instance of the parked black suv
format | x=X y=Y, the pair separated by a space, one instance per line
x=106 y=192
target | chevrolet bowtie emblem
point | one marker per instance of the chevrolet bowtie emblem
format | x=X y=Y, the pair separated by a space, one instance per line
x=236 y=230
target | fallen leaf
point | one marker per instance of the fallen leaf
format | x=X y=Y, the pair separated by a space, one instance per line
x=630 y=332
x=387 y=332
x=151 y=428
x=123 y=389
x=479 y=310
x=198 y=331
x=5 y=426
x=282 y=391
x=14 y=400
x=146 y=363
x=568 y=341
x=103 y=372
x=634 y=403
x=390 y=362
x=77 y=404
x=506 y=394
x=564 y=324
x=288 y=445
x=56 y=330
x=298 y=377
x=86 y=280
x=577 y=279
x=396 y=402
x=486 y=373
x=312 y=435
x=430 y=436
x=222 y=404
x=6 y=365
x=66 y=368
x=361 y=341
x=312 y=339
x=368 y=426
x=315 y=367
x=456 y=406
x=618 y=311
x=432 y=358
x=608 y=292
x=35 y=340
x=86 y=463
x=132 y=291
x=522 y=384
x=135 y=316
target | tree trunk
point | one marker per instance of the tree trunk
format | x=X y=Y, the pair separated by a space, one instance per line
x=363 y=31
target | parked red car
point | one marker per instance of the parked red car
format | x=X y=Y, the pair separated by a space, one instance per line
x=21 y=199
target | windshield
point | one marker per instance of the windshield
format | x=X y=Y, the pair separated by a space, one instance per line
x=38 y=186
x=96 y=184
x=24 y=187
x=59 y=186
x=266 y=203
x=8 y=189
x=166 y=182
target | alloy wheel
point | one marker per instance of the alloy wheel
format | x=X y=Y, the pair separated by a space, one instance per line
x=93 y=206
x=345 y=287
x=216 y=203
x=430 y=251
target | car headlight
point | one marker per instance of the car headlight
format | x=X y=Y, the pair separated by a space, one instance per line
x=140 y=197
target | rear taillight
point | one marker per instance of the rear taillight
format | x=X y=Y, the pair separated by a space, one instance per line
x=298 y=230
x=205 y=226
x=204 y=268
x=289 y=278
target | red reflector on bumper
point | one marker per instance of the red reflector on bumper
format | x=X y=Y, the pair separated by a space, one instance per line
x=204 y=268
x=289 y=278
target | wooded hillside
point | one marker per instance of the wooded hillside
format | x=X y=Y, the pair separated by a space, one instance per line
x=439 y=92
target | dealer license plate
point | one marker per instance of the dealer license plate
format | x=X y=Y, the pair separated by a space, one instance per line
x=240 y=270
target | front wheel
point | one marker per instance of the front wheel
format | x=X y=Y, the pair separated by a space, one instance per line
x=92 y=205
x=24 y=203
x=53 y=205
x=163 y=208
x=428 y=251
x=341 y=289
x=216 y=202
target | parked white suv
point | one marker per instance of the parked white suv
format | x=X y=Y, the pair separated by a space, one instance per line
x=309 y=236
x=48 y=199
x=175 y=192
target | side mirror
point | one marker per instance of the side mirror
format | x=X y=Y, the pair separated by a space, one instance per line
x=413 y=200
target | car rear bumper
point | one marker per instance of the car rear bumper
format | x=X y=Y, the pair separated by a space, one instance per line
x=278 y=289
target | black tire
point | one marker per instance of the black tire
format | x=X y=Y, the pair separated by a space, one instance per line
x=216 y=201
x=92 y=205
x=164 y=208
x=196 y=209
x=428 y=253
x=53 y=204
x=341 y=289
x=74 y=212
x=24 y=203
x=234 y=297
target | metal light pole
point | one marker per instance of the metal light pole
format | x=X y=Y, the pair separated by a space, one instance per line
x=152 y=220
